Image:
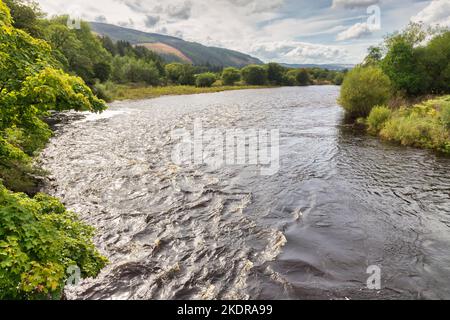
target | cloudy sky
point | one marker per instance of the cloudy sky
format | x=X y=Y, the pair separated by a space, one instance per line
x=290 y=31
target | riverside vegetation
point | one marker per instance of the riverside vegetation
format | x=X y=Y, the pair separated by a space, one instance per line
x=401 y=90
x=39 y=238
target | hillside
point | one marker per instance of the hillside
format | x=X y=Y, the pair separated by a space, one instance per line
x=175 y=49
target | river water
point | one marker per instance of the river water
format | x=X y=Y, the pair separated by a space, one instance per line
x=340 y=202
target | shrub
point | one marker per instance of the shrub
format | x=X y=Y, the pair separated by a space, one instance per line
x=377 y=118
x=275 y=73
x=39 y=241
x=254 y=75
x=205 y=79
x=102 y=71
x=302 y=77
x=362 y=89
x=422 y=125
x=290 y=78
x=141 y=71
x=178 y=73
x=402 y=66
x=230 y=76
x=416 y=131
x=338 y=79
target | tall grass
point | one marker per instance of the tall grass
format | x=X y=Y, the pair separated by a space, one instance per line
x=110 y=91
x=424 y=125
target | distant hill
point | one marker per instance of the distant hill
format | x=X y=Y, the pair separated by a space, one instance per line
x=175 y=49
x=337 y=67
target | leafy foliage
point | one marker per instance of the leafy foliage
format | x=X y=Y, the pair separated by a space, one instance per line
x=254 y=75
x=178 y=73
x=362 y=89
x=377 y=118
x=205 y=79
x=402 y=66
x=39 y=240
x=302 y=77
x=25 y=15
x=230 y=76
x=415 y=129
x=275 y=73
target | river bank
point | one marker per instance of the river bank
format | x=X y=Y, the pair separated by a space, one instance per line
x=115 y=92
x=423 y=125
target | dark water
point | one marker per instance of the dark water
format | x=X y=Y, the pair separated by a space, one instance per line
x=341 y=202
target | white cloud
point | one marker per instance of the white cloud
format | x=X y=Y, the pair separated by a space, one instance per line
x=355 y=32
x=437 y=12
x=298 y=52
x=269 y=29
x=354 y=3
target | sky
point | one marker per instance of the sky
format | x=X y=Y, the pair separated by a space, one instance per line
x=287 y=31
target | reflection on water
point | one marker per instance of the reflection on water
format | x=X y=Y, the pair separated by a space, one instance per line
x=341 y=202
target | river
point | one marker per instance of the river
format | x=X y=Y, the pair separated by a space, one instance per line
x=340 y=202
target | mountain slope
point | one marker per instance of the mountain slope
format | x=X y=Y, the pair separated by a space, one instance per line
x=175 y=49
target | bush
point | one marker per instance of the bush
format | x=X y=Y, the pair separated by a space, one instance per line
x=254 y=75
x=362 y=89
x=230 y=76
x=102 y=71
x=338 y=79
x=402 y=66
x=302 y=77
x=275 y=73
x=416 y=131
x=140 y=71
x=39 y=241
x=377 y=118
x=205 y=80
x=106 y=91
x=422 y=125
x=178 y=73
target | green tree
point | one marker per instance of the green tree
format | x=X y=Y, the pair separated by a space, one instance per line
x=435 y=59
x=402 y=66
x=374 y=57
x=102 y=71
x=254 y=75
x=178 y=73
x=78 y=51
x=275 y=73
x=25 y=15
x=205 y=79
x=303 y=77
x=230 y=76
x=290 y=78
x=363 y=89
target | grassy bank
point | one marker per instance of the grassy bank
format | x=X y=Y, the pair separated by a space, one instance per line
x=112 y=92
x=423 y=125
